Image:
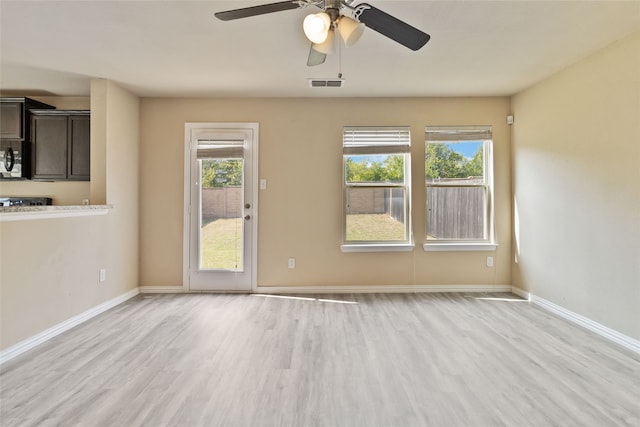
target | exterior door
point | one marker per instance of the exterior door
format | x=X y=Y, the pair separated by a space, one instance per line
x=220 y=206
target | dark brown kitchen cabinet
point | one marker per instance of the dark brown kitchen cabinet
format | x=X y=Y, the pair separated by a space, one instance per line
x=14 y=117
x=79 y=156
x=61 y=145
x=11 y=120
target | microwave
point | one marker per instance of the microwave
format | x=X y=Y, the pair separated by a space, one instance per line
x=11 y=160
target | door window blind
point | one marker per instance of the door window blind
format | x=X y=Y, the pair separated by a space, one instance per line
x=216 y=149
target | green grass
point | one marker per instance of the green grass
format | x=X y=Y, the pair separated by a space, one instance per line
x=221 y=244
x=367 y=227
x=221 y=239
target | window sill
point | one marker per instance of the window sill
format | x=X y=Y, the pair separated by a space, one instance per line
x=459 y=247
x=377 y=247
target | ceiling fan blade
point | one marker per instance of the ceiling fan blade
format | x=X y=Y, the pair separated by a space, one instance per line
x=315 y=57
x=391 y=27
x=246 y=12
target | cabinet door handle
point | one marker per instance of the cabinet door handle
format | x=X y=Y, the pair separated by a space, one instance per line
x=9 y=159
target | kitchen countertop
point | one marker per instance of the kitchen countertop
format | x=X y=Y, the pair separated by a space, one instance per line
x=21 y=213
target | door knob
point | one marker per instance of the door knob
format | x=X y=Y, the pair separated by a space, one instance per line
x=247 y=217
x=247 y=206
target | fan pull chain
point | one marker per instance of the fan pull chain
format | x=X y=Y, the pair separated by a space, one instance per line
x=339 y=59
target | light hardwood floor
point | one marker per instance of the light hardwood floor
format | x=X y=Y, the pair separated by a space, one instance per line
x=355 y=360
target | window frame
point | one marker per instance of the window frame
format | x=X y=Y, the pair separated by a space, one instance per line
x=377 y=146
x=461 y=134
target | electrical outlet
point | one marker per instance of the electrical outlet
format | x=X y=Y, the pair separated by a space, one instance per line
x=292 y=263
x=103 y=275
x=489 y=261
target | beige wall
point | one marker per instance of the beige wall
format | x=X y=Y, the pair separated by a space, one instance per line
x=62 y=192
x=574 y=152
x=122 y=159
x=49 y=268
x=575 y=195
x=300 y=214
x=98 y=185
x=576 y=145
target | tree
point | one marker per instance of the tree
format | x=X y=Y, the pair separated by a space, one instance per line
x=221 y=173
x=364 y=170
x=475 y=167
x=441 y=161
x=394 y=168
x=356 y=171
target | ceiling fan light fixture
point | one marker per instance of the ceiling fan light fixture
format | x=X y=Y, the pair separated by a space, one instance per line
x=350 y=30
x=328 y=45
x=316 y=27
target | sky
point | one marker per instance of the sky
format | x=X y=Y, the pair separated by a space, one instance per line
x=467 y=149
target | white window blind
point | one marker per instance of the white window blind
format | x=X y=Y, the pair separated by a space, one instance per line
x=458 y=133
x=376 y=140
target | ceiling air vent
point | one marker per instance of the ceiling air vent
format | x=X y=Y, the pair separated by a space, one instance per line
x=326 y=82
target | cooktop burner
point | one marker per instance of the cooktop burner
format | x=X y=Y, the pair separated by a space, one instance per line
x=25 y=201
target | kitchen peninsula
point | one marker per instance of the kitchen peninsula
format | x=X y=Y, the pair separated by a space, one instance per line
x=22 y=213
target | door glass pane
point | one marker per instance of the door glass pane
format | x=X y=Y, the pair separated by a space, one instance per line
x=221 y=210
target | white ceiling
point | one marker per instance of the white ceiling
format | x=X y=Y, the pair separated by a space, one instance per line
x=178 y=49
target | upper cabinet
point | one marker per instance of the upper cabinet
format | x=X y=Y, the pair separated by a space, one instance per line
x=61 y=145
x=11 y=114
x=14 y=117
x=15 y=136
x=79 y=156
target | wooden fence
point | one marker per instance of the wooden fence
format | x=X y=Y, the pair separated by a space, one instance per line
x=453 y=212
x=456 y=212
x=222 y=202
x=377 y=201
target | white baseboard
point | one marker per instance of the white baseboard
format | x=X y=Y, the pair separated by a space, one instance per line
x=23 y=346
x=265 y=289
x=379 y=289
x=161 y=289
x=521 y=293
x=608 y=333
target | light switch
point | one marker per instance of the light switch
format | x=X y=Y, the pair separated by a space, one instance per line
x=263 y=184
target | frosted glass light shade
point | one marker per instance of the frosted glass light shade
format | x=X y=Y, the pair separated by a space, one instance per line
x=316 y=27
x=350 y=30
x=328 y=45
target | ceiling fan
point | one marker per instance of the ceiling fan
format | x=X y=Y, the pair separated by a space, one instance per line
x=321 y=27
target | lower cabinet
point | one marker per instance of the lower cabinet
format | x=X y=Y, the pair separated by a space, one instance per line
x=61 y=145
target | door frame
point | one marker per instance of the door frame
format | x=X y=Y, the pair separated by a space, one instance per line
x=189 y=129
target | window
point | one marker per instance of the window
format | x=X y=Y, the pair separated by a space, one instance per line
x=377 y=190
x=459 y=181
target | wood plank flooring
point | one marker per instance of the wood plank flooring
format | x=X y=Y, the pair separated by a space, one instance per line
x=348 y=360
